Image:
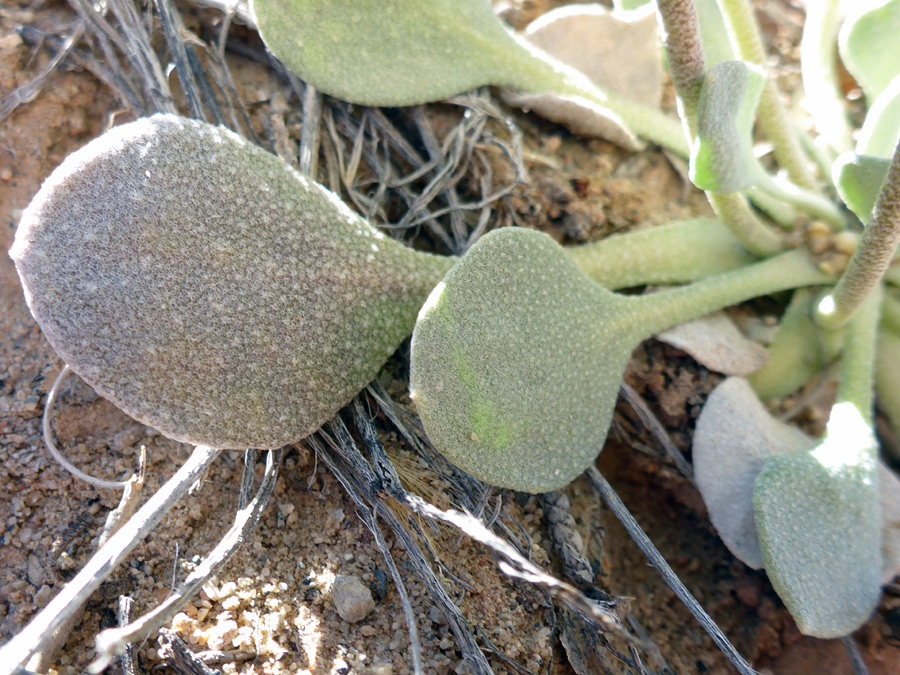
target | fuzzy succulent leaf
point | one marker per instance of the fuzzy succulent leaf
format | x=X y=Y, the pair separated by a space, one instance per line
x=858 y=179
x=713 y=32
x=722 y=157
x=820 y=532
x=517 y=355
x=389 y=52
x=800 y=351
x=208 y=289
x=516 y=362
x=869 y=47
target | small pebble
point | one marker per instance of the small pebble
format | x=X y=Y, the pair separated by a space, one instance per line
x=352 y=600
x=437 y=616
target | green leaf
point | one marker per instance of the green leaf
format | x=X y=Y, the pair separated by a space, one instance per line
x=870 y=48
x=881 y=130
x=516 y=362
x=389 y=53
x=517 y=356
x=722 y=155
x=735 y=434
x=858 y=179
x=208 y=289
x=734 y=438
x=406 y=52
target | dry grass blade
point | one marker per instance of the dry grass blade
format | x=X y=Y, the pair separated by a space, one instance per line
x=110 y=74
x=513 y=562
x=657 y=429
x=856 y=658
x=27 y=92
x=668 y=574
x=123 y=617
x=179 y=656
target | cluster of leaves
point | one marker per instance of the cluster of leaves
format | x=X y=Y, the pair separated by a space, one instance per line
x=520 y=345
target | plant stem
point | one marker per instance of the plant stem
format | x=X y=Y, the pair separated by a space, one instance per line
x=890 y=312
x=820 y=82
x=673 y=253
x=873 y=255
x=670 y=307
x=757 y=237
x=814 y=204
x=781 y=213
x=798 y=352
x=773 y=118
x=681 y=35
x=858 y=357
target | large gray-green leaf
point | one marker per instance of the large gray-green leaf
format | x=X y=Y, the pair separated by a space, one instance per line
x=517 y=355
x=722 y=157
x=209 y=290
x=516 y=362
x=858 y=179
x=389 y=52
x=881 y=130
x=403 y=52
x=869 y=46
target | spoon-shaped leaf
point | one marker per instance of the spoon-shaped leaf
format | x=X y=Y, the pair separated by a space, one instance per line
x=517 y=355
x=406 y=52
x=209 y=290
x=820 y=531
x=722 y=157
x=735 y=435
